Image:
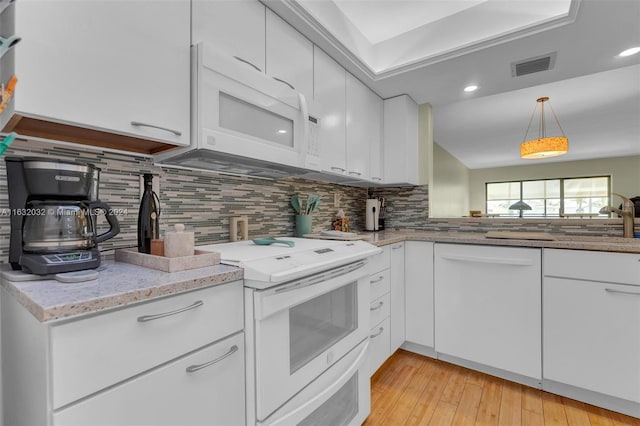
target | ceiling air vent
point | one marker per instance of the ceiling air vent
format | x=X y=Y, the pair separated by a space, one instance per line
x=533 y=65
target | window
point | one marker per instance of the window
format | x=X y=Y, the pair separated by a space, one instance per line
x=563 y=197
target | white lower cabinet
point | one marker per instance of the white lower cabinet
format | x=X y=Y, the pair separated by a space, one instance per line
x=419 y=320
x=379 y=348
x=169 y=361
x=206 y=387
x=379 y=308
x=488 y=309
x=591 y=317
x=396 y=293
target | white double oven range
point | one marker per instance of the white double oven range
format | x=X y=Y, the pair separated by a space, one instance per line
x=306 y=330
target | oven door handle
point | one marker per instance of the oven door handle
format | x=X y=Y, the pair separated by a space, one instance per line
x=300 y=412
x=271 y=301
x=320 y=278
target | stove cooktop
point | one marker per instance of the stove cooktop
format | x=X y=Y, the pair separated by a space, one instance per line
x=270 y=265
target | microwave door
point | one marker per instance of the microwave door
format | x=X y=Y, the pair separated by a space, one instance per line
x=249 y=121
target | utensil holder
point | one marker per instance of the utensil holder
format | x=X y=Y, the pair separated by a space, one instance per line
x=303 y=224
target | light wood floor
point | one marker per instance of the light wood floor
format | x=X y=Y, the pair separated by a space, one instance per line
x=414 y=390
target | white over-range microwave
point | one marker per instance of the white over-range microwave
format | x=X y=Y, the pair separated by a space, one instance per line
x=243 y=119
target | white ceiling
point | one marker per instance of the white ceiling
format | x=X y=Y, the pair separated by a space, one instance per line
x=371 y=18
x=595 y=93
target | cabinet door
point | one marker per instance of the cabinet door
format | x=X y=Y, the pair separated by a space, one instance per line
x=418 y=263
x=359 y=124
x=488 y=306
x=289 y=55
x=330 y=91
x=397 y=296
x=400 y=141
x=211 y=393
x=379 y=349
x=106 y=64
x=592 y=336
x=376 y=161
x=235 y=27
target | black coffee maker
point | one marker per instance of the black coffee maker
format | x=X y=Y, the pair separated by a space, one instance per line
x=53 y=206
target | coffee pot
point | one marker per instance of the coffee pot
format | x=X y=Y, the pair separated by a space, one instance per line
x=54 y=206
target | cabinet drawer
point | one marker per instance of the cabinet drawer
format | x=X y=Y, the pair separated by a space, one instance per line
x=380 y=309
x=380 y=347
x=592 y=336
x=621 y=268
x=380 y=261
x=380 y=284
x=90 y=354
x=171 y=395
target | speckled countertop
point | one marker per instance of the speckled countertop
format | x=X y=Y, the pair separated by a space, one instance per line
x=119 y=284
x=622 y=245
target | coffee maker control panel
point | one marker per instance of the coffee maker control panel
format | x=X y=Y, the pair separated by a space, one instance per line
x=80 y=256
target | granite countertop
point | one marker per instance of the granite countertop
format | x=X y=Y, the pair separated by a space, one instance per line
x=610 y=244
x=119 y=284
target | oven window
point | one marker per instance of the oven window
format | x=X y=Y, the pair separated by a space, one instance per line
x=338 y=410
x=243 y=117
x=319 y=323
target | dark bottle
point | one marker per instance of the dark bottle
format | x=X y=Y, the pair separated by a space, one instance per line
x=148 y=225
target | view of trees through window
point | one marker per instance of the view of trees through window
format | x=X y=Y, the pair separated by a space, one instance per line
x=562 y=197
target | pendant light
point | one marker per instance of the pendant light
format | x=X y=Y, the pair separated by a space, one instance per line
x=544 y=146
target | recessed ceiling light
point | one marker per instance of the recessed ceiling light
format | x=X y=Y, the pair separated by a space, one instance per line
x=629 y=52
x=471 y=88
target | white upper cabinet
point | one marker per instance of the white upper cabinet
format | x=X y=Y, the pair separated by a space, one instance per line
x=235 y=27
x=376 y=162
x=360 y=126
x=112 y=65
x=289 y=55
x=401 y=144
x=330 y=91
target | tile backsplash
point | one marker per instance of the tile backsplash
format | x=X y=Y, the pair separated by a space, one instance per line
x=202 y=201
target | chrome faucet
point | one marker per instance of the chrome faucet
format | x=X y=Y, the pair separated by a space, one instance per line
x=627 y=212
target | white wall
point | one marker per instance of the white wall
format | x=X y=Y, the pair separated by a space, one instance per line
x=624 y=171
x=449 y=188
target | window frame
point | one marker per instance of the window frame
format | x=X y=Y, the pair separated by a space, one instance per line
x=562 y=180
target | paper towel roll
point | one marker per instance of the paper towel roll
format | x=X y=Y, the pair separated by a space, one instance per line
x=371 y=216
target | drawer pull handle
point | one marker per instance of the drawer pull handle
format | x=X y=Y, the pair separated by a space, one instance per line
x=244 y=61
x=153 y=126
x=146 y=318
x=375 y=308
x=380 y=330
x=376 y=178
x=284 y=82
x=397 y=247
x=194 y=368
x=355 y=174
x=610 y=290
x=337 y=169
x=380 y=278
x=489 y=260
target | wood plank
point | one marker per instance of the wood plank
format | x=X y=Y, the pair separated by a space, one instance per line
x=411 y=394
x=468 y=407
x=511 y=405
x=576 y=412
x=489 y=408
x=553 y=410
x=598 y=416
x=386 y=403
x=423 y=411
x=453 y=391
x=532 y=412
x=622 y=420
x=443 y=414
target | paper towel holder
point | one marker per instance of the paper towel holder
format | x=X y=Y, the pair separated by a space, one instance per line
x=238 y=228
